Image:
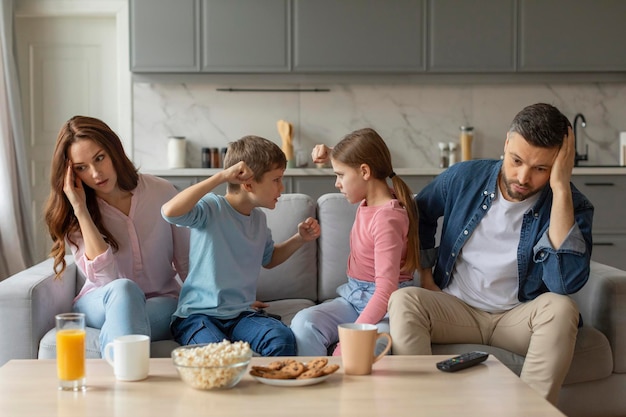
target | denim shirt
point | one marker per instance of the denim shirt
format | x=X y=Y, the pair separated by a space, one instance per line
x=464 y=193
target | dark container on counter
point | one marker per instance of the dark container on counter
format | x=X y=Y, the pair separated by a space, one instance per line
x=206 y=158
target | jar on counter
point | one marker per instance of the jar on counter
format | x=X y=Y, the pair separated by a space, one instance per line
x=215 y=158
x=176 y=148
x=467 y=136
x=443 y=154
x=206 y=158
x=452 y=146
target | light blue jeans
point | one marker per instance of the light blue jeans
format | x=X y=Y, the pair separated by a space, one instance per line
x=120 y=308
x=315 y=327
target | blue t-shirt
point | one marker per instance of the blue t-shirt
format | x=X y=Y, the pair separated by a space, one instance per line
x=227 y=250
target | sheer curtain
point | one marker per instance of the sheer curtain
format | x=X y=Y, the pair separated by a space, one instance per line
x=16 y=235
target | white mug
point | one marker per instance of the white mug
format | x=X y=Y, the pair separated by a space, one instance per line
x=129 y=356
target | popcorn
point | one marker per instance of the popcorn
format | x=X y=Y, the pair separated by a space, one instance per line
x=214 y=365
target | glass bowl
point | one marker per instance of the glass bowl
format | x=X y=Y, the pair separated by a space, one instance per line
x=212 y=365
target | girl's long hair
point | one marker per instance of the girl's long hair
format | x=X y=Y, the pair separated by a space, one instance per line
x=58 y=212
x=365 y=146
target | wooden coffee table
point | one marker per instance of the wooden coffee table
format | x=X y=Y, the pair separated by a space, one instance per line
x=399 y=386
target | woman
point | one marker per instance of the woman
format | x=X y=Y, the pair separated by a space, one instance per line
x=109 y=216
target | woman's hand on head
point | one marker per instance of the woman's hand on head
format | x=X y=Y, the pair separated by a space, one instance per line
x=73 y=188
x=320 y=154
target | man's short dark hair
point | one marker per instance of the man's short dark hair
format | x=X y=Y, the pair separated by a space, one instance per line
x=541 y=125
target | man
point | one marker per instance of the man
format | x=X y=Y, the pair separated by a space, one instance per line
x=516 y=239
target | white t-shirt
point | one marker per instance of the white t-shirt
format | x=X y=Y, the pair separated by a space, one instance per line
x=485 y=274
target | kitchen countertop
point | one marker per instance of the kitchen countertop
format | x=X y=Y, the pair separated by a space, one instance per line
x=305 y=172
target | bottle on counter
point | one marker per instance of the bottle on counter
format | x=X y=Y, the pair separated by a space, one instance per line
x=443 y=154
x=206 y=157
x=467 y=136
x=215 y=158
x=176 y=147
x=452 y=147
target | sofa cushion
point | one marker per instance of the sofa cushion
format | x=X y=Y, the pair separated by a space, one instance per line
x=288 y=308
x=48 y=348
x=591 y=361
x=336 y=216
x=297 y=276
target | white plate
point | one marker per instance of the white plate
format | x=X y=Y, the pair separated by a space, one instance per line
x=291 y=382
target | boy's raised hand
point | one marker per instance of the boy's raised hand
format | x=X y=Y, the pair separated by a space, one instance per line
x=309 y=229
x=239 y=173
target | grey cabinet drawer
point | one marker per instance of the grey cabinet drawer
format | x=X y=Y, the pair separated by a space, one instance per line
x=607 y=193
x=610 y=250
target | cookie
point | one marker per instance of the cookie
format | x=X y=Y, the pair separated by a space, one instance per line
x=276 y=365
x=293 y=369
x=329 y=369
x=311 y=373
x=317 y=363
x=275 y=375
x=260 y=369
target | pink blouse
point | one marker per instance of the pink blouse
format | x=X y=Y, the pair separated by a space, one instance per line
x=152 y=252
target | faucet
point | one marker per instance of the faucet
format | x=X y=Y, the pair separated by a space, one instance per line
x=583 y=123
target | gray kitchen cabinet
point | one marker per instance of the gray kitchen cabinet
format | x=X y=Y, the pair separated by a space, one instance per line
x=610 y=250
x=471 y=36
x=359 y=36
x=245 y=36
x=565 y=35
x=606 y=193
x=230 y=36
x=165 y=35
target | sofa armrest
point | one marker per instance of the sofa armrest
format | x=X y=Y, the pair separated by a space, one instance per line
x=29 y=300
x=602 y=304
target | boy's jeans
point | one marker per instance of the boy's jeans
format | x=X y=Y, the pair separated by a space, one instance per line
x=266 y=336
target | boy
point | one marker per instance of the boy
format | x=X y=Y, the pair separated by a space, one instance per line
x=230 y=241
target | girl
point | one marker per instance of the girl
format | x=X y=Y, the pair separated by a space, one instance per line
x=384 y=249
x=110 y=217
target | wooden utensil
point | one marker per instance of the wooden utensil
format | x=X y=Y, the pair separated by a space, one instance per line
x=285 y=130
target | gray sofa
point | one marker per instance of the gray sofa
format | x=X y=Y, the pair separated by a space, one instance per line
x=595 y=385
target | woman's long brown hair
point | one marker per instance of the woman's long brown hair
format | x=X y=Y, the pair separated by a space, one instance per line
x=365 y=146
x=58 y=212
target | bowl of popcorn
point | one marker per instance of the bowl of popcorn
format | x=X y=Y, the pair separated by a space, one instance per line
x=212 y=365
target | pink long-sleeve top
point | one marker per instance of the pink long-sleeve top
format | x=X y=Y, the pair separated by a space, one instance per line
x=378 y=244
x=152 y=252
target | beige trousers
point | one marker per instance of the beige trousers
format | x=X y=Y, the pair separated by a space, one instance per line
x=543 y=330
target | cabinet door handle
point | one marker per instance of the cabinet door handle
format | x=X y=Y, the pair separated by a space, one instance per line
x=599 y=184
x=603 y=244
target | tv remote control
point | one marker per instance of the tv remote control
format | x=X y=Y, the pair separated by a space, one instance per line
x=462 y=361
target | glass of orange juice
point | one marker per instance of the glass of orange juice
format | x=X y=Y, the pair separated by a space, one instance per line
x=70 y=328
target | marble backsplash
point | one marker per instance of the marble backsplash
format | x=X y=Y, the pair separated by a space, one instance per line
x=411 y=118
